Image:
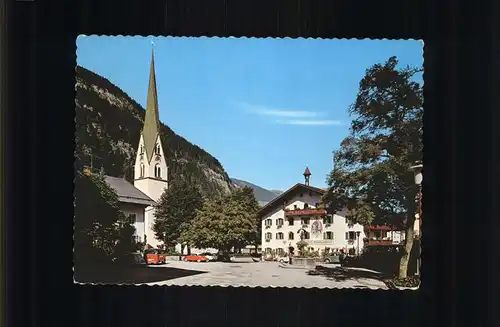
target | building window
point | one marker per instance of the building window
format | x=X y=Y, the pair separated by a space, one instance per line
x=142 y=150
x=142 y=170
x=290 y=236
x=157 y=149
x=269 y=236
x=306 y=206
x=290 y=221
x=328 y=235
x=268 y=250
x=350 y=236
x=305 y=221
x=268 y=222
x=328 y=219
x=307 y=235
x=280 y=252
x=279 y=222
x=132 y=217
x=294 y=207
x=279 y=236
x=157 y=171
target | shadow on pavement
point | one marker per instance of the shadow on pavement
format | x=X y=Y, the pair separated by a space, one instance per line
x=131 y=275
x=341 y=274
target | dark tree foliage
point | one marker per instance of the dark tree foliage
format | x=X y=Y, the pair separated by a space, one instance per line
x=370 y=175
x=110 y=128
x=175 y=211
x=102 y=233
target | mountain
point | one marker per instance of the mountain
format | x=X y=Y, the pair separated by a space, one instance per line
x=262 y=195
x=108 y=125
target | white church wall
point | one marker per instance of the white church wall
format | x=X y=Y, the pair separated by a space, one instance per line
x=138 y=212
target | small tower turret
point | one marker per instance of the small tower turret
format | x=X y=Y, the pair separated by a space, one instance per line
x=307 y=174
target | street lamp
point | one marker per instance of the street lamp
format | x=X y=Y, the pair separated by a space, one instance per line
x=418 y=178
x=357 y=234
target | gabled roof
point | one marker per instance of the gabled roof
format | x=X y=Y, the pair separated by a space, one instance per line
x=127 y=192
x=279 y=200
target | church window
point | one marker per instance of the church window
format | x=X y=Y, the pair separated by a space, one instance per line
x=142 y=170
x=157 y=149
x=142 y=150
x=157 y=171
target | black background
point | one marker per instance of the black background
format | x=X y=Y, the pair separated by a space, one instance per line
x=38 y=57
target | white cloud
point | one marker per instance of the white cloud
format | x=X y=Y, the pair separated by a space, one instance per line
x=289 y=116
x=277 y=112
x=310 y=122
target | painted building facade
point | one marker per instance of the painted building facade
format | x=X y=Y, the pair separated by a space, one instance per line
x=297 y=211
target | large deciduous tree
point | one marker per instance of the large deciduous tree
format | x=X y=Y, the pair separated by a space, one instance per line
x=102 y=232
x=175 y=211
x=370 y=175
x=225 y=221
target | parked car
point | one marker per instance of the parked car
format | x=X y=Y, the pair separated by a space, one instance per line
x=162 y=255
x=210 y=256
x=153 y=257
x=268 y=257
x=224 y=256
x=195 y=258
x=333 y=258
x=131 y=260
x=283 y=259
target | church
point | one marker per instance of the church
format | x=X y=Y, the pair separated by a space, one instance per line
x=150 y=174
x=151 y=171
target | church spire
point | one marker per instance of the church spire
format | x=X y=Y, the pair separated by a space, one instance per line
x=151 y=128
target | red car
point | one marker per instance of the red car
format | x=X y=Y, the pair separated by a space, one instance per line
x=195 y=258
x=154 y=257
x=162 y=256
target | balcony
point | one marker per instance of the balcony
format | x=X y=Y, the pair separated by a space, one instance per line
x=380 y=241
x=304 y=212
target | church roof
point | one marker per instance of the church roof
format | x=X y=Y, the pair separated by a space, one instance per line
x=151 y=128
x=127 y=192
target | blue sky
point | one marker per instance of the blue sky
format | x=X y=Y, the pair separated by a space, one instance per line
x=265 y=108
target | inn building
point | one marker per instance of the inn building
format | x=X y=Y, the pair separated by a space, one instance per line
x=297 y=211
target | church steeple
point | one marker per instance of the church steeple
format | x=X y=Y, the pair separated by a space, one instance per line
x=151 y=128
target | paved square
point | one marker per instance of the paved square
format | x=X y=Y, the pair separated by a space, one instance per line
x=259 y=274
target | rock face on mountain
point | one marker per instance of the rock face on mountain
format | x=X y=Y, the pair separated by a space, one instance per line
x=108 y=125
x=262 y=195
